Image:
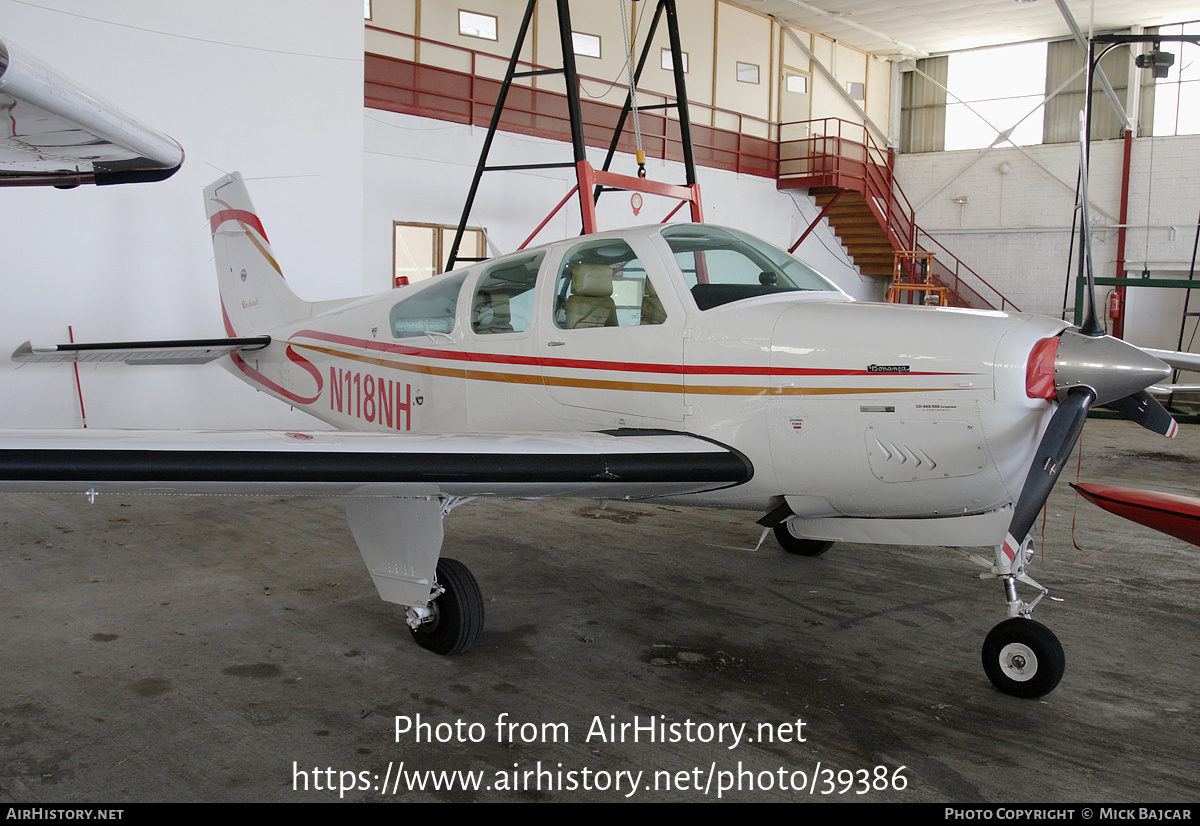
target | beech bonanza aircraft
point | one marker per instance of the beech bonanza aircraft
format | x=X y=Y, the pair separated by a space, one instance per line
x=684 y=363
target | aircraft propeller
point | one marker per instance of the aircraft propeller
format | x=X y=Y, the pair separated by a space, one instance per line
x=1087 y=367
x=1080 y=368
x=1087 y=370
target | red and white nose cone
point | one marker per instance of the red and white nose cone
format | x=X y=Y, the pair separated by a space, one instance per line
x=1112 y=368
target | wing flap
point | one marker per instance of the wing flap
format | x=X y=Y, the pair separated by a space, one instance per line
x=181 y=351
x=615 y=464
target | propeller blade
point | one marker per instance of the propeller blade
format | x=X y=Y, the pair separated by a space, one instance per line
x=1057 y=443
x=1146 y=410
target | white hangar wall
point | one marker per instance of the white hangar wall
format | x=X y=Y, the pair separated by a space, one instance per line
x=419 y=170
x=270 y=88
x=1015 y=229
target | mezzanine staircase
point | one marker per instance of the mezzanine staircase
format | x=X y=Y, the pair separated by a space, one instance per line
x=852 y=180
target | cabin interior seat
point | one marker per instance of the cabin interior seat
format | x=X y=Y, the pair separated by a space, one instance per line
x=591 y=303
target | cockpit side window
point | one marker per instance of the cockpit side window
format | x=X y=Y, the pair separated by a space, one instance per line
x=603 y=284
x=503 y=301
x=721 y=265
x=431 y=310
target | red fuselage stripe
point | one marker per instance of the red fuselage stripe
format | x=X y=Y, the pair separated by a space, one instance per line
x=592 y=364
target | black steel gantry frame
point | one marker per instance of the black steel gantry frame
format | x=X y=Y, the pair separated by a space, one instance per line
x=591 y=183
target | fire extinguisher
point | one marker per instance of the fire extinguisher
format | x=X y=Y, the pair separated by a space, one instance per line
x=1114 y=304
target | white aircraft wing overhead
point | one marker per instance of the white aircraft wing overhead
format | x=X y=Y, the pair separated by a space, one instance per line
x=1180 y=360
x=182 y=351
x=58 y=134
x=611 y=464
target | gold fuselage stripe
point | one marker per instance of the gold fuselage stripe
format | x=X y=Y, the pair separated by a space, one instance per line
x=603 y=384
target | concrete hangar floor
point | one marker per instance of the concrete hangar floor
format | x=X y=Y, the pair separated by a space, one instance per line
x=234 y=649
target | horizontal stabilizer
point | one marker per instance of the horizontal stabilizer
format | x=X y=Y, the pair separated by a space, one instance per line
x=616 y=464
x=181 y=351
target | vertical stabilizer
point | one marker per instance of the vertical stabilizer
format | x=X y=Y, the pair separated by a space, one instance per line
x=254 y=296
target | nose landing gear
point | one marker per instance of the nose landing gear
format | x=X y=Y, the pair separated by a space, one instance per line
x=1021 y=657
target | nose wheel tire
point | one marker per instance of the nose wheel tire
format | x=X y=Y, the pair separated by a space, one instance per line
x=456 y=615
x=1023 y=658
x=798 y=546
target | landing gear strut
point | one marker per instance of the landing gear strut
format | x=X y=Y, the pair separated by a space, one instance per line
x=452 y=622
x=1021 y=657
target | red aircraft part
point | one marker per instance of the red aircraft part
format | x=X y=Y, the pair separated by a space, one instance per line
x=1176 y=515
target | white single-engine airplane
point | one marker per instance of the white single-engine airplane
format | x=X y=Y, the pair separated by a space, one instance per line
x=684 y=362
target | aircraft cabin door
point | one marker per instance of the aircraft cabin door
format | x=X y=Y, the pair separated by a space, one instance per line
x=609 y=343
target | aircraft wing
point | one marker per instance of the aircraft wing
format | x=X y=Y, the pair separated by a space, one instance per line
x=611 y=464
x=1180 y=360
x=1177 y=359
x=179 y=351
x=56 y=133
x=1172 y=389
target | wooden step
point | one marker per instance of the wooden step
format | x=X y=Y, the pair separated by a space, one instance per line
x=857 y=228
x=857 y=220
x=861 y=234
x=876 y=270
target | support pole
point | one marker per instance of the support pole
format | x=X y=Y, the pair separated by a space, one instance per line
x=491 y=133
x=1118 y=325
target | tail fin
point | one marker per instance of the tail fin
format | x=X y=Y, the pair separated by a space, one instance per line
x=254 y=296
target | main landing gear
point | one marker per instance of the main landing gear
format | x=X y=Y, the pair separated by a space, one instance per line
x=400 y=539
x=452 y=622
x=797 y=545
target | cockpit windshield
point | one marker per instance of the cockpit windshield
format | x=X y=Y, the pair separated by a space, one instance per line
x=721 y=265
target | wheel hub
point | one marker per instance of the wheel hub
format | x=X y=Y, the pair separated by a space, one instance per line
x=1018 y=662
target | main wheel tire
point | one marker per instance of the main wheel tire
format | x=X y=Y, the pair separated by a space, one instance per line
x=796 y=545
x=1023 y=658
x=457 y=613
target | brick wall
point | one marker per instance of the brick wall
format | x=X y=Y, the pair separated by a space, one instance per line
x=1015 y=228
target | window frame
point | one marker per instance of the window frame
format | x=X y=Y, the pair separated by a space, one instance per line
x=439 y=249
x=739 y=65
x=586 y=35
x=665 y=60
x=478 y=284
x=495 y=25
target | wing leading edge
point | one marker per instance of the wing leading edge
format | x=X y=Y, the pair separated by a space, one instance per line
x=58 y=134
x=614 y=464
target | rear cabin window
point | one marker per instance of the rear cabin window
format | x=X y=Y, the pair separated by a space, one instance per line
x=431 y=310
x=721 y=265
x=503 y=301
x=603 y=284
